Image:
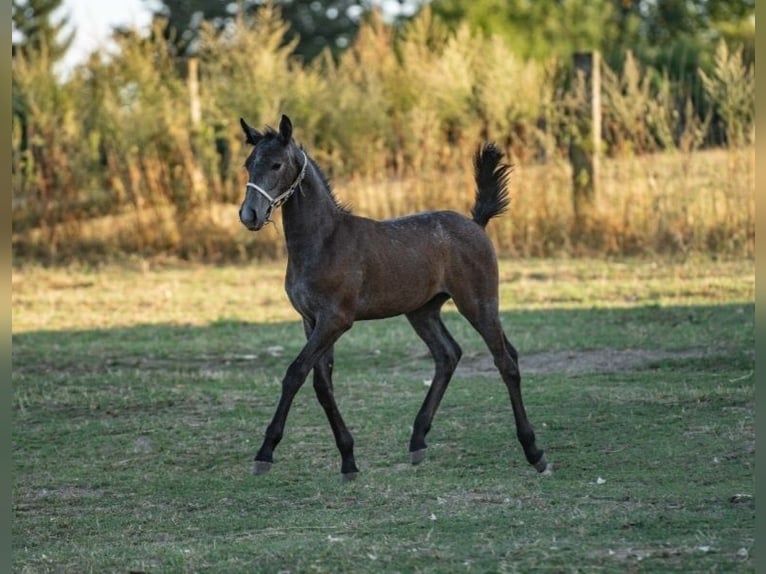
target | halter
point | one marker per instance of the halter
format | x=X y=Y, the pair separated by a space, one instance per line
x=275 y=202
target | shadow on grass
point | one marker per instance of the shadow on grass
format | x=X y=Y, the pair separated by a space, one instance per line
x=547 y=340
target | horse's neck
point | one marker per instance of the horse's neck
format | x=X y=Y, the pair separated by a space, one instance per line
x=309 y=216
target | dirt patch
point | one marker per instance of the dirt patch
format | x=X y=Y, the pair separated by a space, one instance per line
x=577 y=362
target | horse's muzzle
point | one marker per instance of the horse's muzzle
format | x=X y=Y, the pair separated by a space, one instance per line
x=250 y=219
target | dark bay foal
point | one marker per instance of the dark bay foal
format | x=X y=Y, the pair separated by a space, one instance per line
x=343 y=268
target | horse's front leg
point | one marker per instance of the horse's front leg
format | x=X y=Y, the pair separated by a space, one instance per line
x=324 y=392
x=322 y=338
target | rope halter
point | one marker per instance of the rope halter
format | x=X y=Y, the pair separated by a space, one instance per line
x=275 y=202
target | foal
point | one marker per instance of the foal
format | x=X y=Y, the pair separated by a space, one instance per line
x=343 y=268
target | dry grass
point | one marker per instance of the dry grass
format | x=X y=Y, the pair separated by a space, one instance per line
x=174 y=293
x=670 y=204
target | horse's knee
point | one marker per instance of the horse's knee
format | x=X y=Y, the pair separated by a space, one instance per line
x=294 y=377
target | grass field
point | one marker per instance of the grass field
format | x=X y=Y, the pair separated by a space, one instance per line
x=141 y=392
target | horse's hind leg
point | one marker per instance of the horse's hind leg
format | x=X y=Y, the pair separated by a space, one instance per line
x=324 y=392
x=483 y=315
x=446 y=353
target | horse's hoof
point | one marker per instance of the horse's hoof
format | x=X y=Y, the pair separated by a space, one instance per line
x=261 y=467
x=543 y=467
x=348 y=476
x=418 y=456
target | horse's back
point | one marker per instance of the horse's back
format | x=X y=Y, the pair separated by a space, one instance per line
x=451 y=235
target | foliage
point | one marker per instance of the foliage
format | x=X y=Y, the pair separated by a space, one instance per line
x=731 y=89
x=40 y=39
x=182 y=21
x=644 y=112
x=535 y=29
x=670 y=35
x=39 y=33
x=111 y=161
x=319 y=26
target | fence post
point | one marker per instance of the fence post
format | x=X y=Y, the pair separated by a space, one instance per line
x=584 y=148
x=197 y=179
x=192 y=80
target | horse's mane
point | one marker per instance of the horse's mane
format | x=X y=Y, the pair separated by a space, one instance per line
x=326 y=183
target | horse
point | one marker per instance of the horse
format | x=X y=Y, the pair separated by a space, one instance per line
x=343 y=268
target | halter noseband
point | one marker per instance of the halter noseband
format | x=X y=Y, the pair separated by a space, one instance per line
x=275 y=202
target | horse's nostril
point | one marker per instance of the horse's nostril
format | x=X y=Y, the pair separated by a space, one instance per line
x=249 y=218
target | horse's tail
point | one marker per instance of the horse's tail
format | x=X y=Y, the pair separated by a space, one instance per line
x=491 y=184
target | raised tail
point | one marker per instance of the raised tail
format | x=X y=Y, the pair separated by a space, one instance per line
x=491 y=184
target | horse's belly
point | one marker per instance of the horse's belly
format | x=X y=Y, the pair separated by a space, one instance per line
x=395 y=295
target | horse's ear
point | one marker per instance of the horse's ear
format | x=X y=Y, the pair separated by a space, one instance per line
x=285 y=129
x=251 y=136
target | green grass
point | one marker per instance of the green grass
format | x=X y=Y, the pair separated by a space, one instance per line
x=140 y=396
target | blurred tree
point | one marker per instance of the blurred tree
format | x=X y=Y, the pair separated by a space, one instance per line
x=181 y=20
x=316 y=25
x=667 y=20
x=41 y=39
x=674 y=34
x=681 y=35
x=32 y=21
x=535 y=29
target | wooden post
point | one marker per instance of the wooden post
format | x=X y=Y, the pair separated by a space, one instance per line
x=192 y=79
x=197 y=178
x=584 y=148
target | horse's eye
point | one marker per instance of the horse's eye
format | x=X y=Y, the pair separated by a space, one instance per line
x=275 y=166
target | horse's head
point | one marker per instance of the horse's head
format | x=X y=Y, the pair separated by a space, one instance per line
x=275 y=168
